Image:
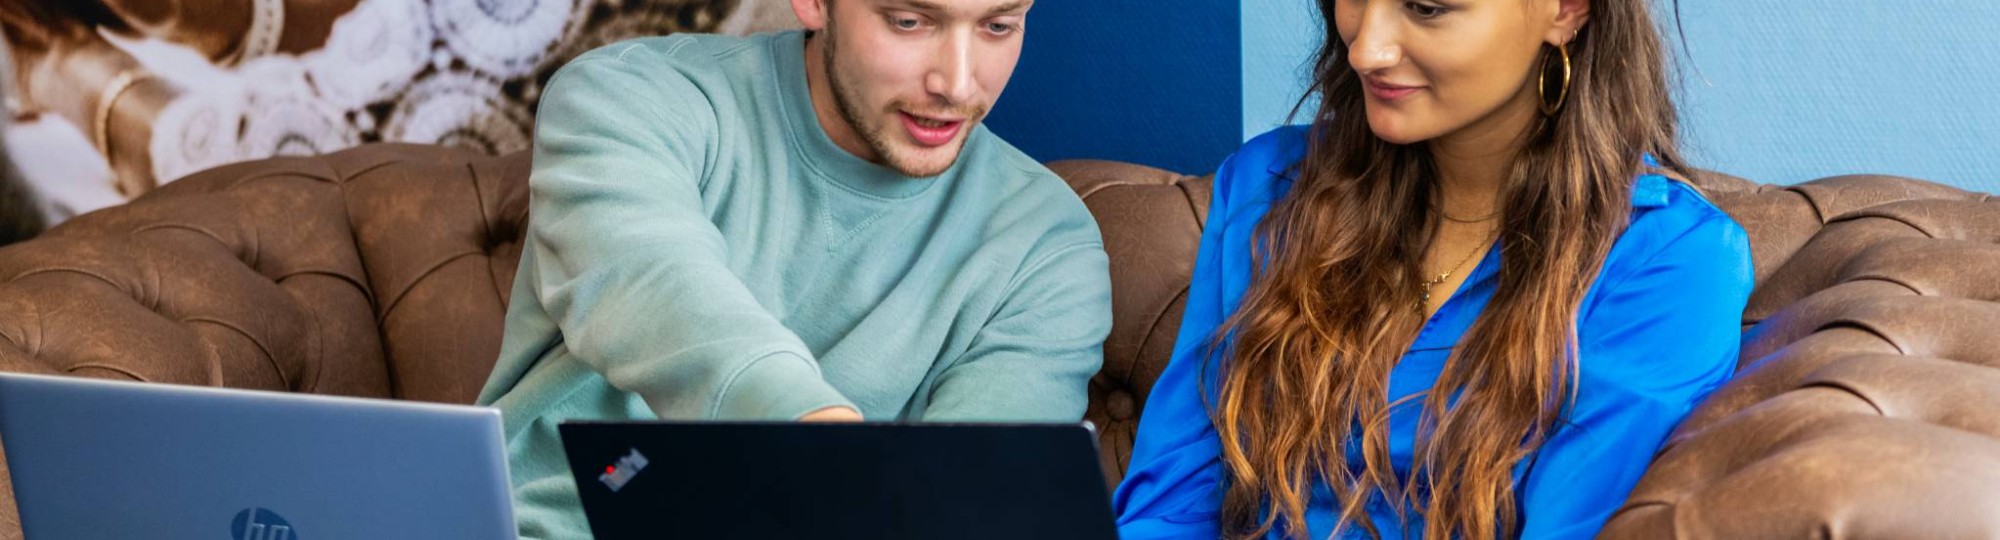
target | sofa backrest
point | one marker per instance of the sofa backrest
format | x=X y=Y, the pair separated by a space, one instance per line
x=1867 y=401
x=1867 y=397
x=1151 y=221
x=381 y=271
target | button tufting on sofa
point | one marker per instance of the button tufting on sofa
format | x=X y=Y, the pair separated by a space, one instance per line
x=1867 y=403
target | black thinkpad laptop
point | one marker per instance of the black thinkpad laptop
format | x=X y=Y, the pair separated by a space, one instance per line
x=812 y=480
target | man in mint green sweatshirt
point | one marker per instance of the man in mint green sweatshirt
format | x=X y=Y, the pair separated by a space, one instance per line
x=804 y=225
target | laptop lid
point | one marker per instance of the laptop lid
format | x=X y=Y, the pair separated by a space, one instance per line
x=833 y=480
x=101 y=459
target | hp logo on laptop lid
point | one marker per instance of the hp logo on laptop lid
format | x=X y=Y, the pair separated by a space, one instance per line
x=260 y=524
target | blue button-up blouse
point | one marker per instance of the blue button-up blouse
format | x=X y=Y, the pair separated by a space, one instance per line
x=1658 y=330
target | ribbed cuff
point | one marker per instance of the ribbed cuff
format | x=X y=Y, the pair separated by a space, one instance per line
x=781 y=386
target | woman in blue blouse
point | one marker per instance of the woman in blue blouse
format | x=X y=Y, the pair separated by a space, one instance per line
x=1469 y=300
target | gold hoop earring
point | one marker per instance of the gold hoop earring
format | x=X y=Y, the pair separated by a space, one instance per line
x=1542 y=84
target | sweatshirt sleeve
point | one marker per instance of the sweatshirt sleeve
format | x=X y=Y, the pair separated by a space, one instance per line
x=1034 y=359
x=630 y=267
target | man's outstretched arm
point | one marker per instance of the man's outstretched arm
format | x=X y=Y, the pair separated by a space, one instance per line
x=629 y=265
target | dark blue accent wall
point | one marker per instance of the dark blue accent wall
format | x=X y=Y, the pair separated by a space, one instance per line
x=1156 y=82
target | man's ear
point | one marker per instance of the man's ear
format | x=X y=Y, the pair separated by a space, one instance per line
x=812 y=13
x=1571 y=15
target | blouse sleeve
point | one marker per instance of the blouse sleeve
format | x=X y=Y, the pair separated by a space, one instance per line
x=1662 y=336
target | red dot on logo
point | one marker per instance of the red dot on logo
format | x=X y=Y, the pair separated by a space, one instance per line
x=609 y=469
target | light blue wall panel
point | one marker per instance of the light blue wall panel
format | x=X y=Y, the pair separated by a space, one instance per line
x=1779 y=90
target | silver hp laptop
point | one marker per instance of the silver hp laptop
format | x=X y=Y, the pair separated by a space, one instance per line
x=98 y=459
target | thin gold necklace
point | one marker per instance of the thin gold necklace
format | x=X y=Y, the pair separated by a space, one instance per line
x=1425 y=288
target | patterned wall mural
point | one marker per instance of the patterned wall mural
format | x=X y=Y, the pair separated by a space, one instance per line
x=114 y=97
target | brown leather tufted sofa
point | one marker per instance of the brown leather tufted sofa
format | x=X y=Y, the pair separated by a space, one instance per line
x=1867 y=404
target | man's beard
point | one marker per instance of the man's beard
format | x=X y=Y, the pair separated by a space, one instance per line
x=877 y=136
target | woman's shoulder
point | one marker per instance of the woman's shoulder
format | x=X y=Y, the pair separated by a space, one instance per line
x=1283 y=146
x=1674 y=223
x=1262 y=168
x=1672 y=209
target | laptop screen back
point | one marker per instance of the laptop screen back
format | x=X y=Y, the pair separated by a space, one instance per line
x=805 y=480
x=98 y=459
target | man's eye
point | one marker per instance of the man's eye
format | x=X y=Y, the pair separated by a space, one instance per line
x=1002 y=28
x=905 y=23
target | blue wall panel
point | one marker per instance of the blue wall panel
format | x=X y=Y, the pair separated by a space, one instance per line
x=1778 y=91
x=1146 y=81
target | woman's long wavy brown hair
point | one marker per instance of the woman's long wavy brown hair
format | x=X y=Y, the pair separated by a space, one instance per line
x=1309 y=351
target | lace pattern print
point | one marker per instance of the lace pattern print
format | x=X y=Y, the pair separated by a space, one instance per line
x=373 y=53
x=196 y=132
x=463 y=110
x=463 y=73
x=503 y=38
x=286 y=116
